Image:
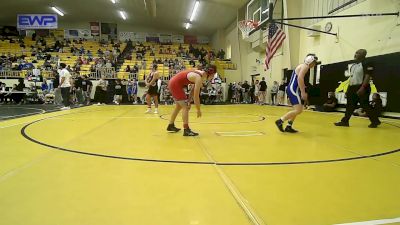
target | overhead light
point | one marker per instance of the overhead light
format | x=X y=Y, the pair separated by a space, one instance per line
x=196 y=6
x=57 y=11
x=113 y=1
x=187 y=26
x=122 y=15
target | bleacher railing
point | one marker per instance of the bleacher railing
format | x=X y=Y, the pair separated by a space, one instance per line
x=108 y=73
x=11 y=74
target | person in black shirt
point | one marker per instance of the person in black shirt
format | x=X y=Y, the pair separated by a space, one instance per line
x=87 y=89
x=79 y=91
x=230 y=93
x=57 y=89
x=330 y=104
x=251 y=92
x=20 y=87
x=263 y=91
x=281 y=93
x=135 y=69
x=118 y=92
x=3 y=98
x=246 y=88
x=376 y=105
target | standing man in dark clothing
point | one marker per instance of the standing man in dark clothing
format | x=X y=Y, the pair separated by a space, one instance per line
x=263 y=91
x=359 y=90
x=20 y=87
x=79 y=90
x=57 y=89
x=230 y=93
x=246 y=88
x=281 y=93
x=251 y=92
x=87 y=89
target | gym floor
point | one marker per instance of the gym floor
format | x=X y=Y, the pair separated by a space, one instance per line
x=116 y=165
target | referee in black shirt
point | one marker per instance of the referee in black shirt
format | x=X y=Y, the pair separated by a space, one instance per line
x=359 y=90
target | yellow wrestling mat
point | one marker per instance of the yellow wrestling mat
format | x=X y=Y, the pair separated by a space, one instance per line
x=106 y=165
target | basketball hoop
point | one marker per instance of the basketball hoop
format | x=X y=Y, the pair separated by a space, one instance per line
x=246 y=26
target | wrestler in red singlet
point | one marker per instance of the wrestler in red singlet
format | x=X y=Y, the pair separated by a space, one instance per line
x=178 y=83
x=176 y=86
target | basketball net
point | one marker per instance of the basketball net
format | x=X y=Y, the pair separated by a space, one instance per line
x=246 y=26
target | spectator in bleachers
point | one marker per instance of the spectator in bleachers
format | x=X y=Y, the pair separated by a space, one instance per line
x=85 y=61
x=47 y=65
x=93 y=68
x=82 y=50
x=143 y=64
x=128 y=69
x=79 y=60
x=191 y=49
x=100 y=52
x=108 y=64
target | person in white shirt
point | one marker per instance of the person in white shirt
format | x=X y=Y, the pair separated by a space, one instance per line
x=65 y=85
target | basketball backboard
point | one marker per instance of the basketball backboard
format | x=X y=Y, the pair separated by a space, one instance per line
x=258 y=10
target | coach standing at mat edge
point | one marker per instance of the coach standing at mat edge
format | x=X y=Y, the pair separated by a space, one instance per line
x=359 y=90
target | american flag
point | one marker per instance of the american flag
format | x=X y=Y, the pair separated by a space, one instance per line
x=275 y=39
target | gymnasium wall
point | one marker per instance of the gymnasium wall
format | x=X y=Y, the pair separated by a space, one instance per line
x=121 y=27
x=379 y=35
